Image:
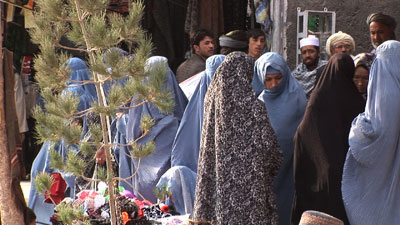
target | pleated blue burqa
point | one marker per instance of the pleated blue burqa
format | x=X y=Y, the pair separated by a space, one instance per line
x=181 y=178
x=163 y=132
x=185 y=151
x=86 y=94
x=285 y=105
x=371 y=175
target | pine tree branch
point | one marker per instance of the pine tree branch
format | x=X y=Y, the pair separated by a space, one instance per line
x=84 y=112
x=117 y=145
x=130 y=177
x=133 y=187
x=51 y=199
x=107 y=79
x=85 y=15
x=132 y=107
x=128 y=145
x=81 y=83
x=142 y=136
x=104 y=119
x=69 y=19
x=90 y=179
x=70 y=48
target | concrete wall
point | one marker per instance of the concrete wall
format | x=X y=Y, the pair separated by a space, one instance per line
x=350 y=18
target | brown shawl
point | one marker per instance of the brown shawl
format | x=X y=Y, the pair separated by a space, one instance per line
x=321 y=141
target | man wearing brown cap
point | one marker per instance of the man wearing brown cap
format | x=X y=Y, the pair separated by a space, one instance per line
x=381 y=28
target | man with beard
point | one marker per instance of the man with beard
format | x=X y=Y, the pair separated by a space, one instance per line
x=308 y=72
x=381 y=28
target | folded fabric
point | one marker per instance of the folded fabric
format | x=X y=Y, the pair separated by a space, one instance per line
x=57 y=190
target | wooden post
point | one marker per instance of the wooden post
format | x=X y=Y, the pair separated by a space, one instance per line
x=10 y=214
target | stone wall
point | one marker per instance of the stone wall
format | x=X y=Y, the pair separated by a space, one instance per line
x=351 y=18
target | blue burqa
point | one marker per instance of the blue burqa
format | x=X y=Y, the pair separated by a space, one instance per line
x=285 y=105
x=185 y=150
x=371 y=175
x=181 y=178
x=41 y=164
x=120 y=81
x=87 y=94
x=163 y=133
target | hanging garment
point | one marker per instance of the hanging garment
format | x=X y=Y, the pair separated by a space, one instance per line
x=192 y=16
x=212 y=16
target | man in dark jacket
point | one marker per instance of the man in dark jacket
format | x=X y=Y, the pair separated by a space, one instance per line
x=202 y=44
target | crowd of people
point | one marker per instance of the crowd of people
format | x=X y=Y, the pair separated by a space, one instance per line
x=251 y=142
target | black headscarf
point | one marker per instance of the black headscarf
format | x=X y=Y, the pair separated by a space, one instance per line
x=365 y=60
x=239 y=153
x=321 y=141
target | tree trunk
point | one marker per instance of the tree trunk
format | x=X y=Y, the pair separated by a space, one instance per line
x=10 y=214
x=105 y=125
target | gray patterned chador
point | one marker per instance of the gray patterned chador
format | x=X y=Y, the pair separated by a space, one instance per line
x=239 y=152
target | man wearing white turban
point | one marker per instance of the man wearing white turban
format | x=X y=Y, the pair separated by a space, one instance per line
x=308 y=71
x=340 y=42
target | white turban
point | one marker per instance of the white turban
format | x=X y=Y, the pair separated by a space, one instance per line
x=339 y=37
x=309 y=41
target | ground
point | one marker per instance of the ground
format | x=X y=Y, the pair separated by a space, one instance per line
x=26 y=186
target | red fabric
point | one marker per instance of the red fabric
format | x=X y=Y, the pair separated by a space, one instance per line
x=57 y=189
x=140 y=213
x=125 y=218
x=164 y=208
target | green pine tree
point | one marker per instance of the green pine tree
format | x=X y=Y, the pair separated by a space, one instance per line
x=94 y=31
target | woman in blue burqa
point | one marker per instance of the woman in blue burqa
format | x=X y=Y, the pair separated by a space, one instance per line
x=371 y=175
x=150 y=168
x=285 y=101
x=86 y=94
x=181 y=178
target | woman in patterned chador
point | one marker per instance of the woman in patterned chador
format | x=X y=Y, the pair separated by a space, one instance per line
x=239 y=152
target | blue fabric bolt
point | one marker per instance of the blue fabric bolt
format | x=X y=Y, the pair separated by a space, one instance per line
x=262 y=14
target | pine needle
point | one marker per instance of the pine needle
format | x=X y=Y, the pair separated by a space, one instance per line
x=43 y=182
